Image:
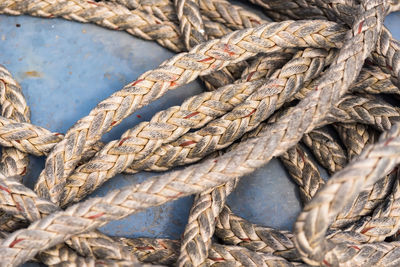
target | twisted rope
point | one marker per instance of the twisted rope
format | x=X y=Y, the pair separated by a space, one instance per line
x=108 y=15
x=114 y=206
x=179 y=70
x=13 y=106
x=23 y=203
x=326 y=149
x=165 y=251
x=303 y=171
x=164 y=142
x=216 y=135
x=343 y=185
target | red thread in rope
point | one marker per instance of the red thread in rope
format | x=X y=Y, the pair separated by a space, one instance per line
x=191 y=115
x=246 y=239
x=16 y=241
x=250 y=75
x=326 y=263
x=217 y=259
x=251 y=113
x=18 y=141
x=366 y=230
x=136 y=82
x=355 y=247
x=255 y=21
x=5 y=189
x=113 y=123
x=226 y=49
x=93 y=3
x=123 y=141
x=138 y=116
x=388 y=141
x=300 y=153
x=162 y=244
x=58 y=134
x=206 y=59
x=187 y=143
x=360 y=27
x=172 y=83
x=96 y=215
x=18 y=206
x=176 y=196
x=23 y=172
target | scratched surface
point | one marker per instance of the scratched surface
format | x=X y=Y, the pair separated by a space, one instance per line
x=66 y=68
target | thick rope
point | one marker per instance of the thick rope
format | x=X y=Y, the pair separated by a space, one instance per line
x=367 y=211
x=327 y=150
x=177 y=71
x=216 y=135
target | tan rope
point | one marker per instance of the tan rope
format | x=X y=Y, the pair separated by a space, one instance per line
x=229 y=112
x=327 y=150
x=181 y=69
x=216 y=135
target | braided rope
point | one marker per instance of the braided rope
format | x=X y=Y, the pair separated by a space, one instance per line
x=216 y=135
x=382 y=223
x=18 y=200
x=196 y=240
x=108 y=15
x=303 y=171
x=343 y=186
x=367 y=194
x=350 y=109
x=179 y=70
x=234 y=230
x=165 y=251
x=367 y=110
x=115 y=200
x=305 y=186
x=355 y=137
x=384 y=54
x=193 y=33
x=327 y=150
x=13 y=106
x=191 y=23
x=23 y=203
x=232 y=16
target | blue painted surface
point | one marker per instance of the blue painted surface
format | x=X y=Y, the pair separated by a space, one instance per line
x=69 y=67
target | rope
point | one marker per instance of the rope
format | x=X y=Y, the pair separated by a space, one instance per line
x=244 y=117
x=274 y=84
x=177 y=71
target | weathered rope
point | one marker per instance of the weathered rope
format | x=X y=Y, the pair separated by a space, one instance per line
x=327 y=150
x=32 y=247
x=179 y=70
x=297 y=65
x=193 y=146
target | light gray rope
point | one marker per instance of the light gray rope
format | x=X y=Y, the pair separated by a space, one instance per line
x=315 y=110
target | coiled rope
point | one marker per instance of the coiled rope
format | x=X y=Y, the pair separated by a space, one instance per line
x=313 y=77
